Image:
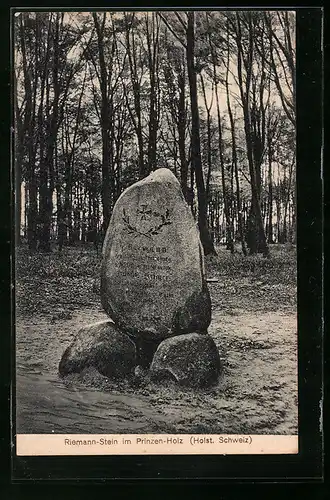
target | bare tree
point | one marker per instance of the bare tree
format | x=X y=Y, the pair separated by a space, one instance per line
x=254 y=141
x=152 y=37
x=188 y=42
x=234 y=152
x=282 y=58
x=229 y=223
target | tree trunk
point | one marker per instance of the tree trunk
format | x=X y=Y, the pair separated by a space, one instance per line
x=47 y=158
x=234 y=158
x=270 y=195
x=229 y=226
x=294 y=227
x=153 y=49
x=26 y=207
x=182 y=123
x=32 y=212
x=206 y=240
x=18 y=179
x=106 y=192
x=208 y=138
x=105 y=121
x=238 y=195
x=229 y=221
x=286 y=203
x=30 y=87
x=256 y=238
x=137 y=119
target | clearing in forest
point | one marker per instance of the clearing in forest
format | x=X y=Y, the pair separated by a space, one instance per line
x=254 y=325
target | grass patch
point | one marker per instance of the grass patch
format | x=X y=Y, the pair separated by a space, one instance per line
x=57 y=282
x=70 y=263
x=279 y=268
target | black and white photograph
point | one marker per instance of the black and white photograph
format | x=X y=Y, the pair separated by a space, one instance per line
x=155 y=230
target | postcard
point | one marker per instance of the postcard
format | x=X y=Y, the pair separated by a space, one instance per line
x=156 y=250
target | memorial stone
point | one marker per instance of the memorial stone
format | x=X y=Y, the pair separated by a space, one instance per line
x=153 y=282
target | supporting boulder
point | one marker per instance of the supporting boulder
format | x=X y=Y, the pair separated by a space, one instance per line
x=191 y=360
x=102 y=346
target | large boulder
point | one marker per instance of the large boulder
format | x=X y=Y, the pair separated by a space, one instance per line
x=102 y=346
x=152 y=277
x=191 y=360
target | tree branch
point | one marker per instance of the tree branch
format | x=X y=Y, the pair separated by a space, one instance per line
x=171 y=30
x=180 y=20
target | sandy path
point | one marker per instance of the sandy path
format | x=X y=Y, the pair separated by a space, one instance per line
x=256 y=393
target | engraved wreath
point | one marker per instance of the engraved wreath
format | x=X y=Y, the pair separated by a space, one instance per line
x=159 y=220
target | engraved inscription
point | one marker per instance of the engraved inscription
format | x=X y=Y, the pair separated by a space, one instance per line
x=150 y=264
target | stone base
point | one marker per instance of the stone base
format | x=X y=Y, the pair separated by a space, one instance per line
x=191 y=360
x=103 y=347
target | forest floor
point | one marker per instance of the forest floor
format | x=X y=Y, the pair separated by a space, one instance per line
x=254 y=324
